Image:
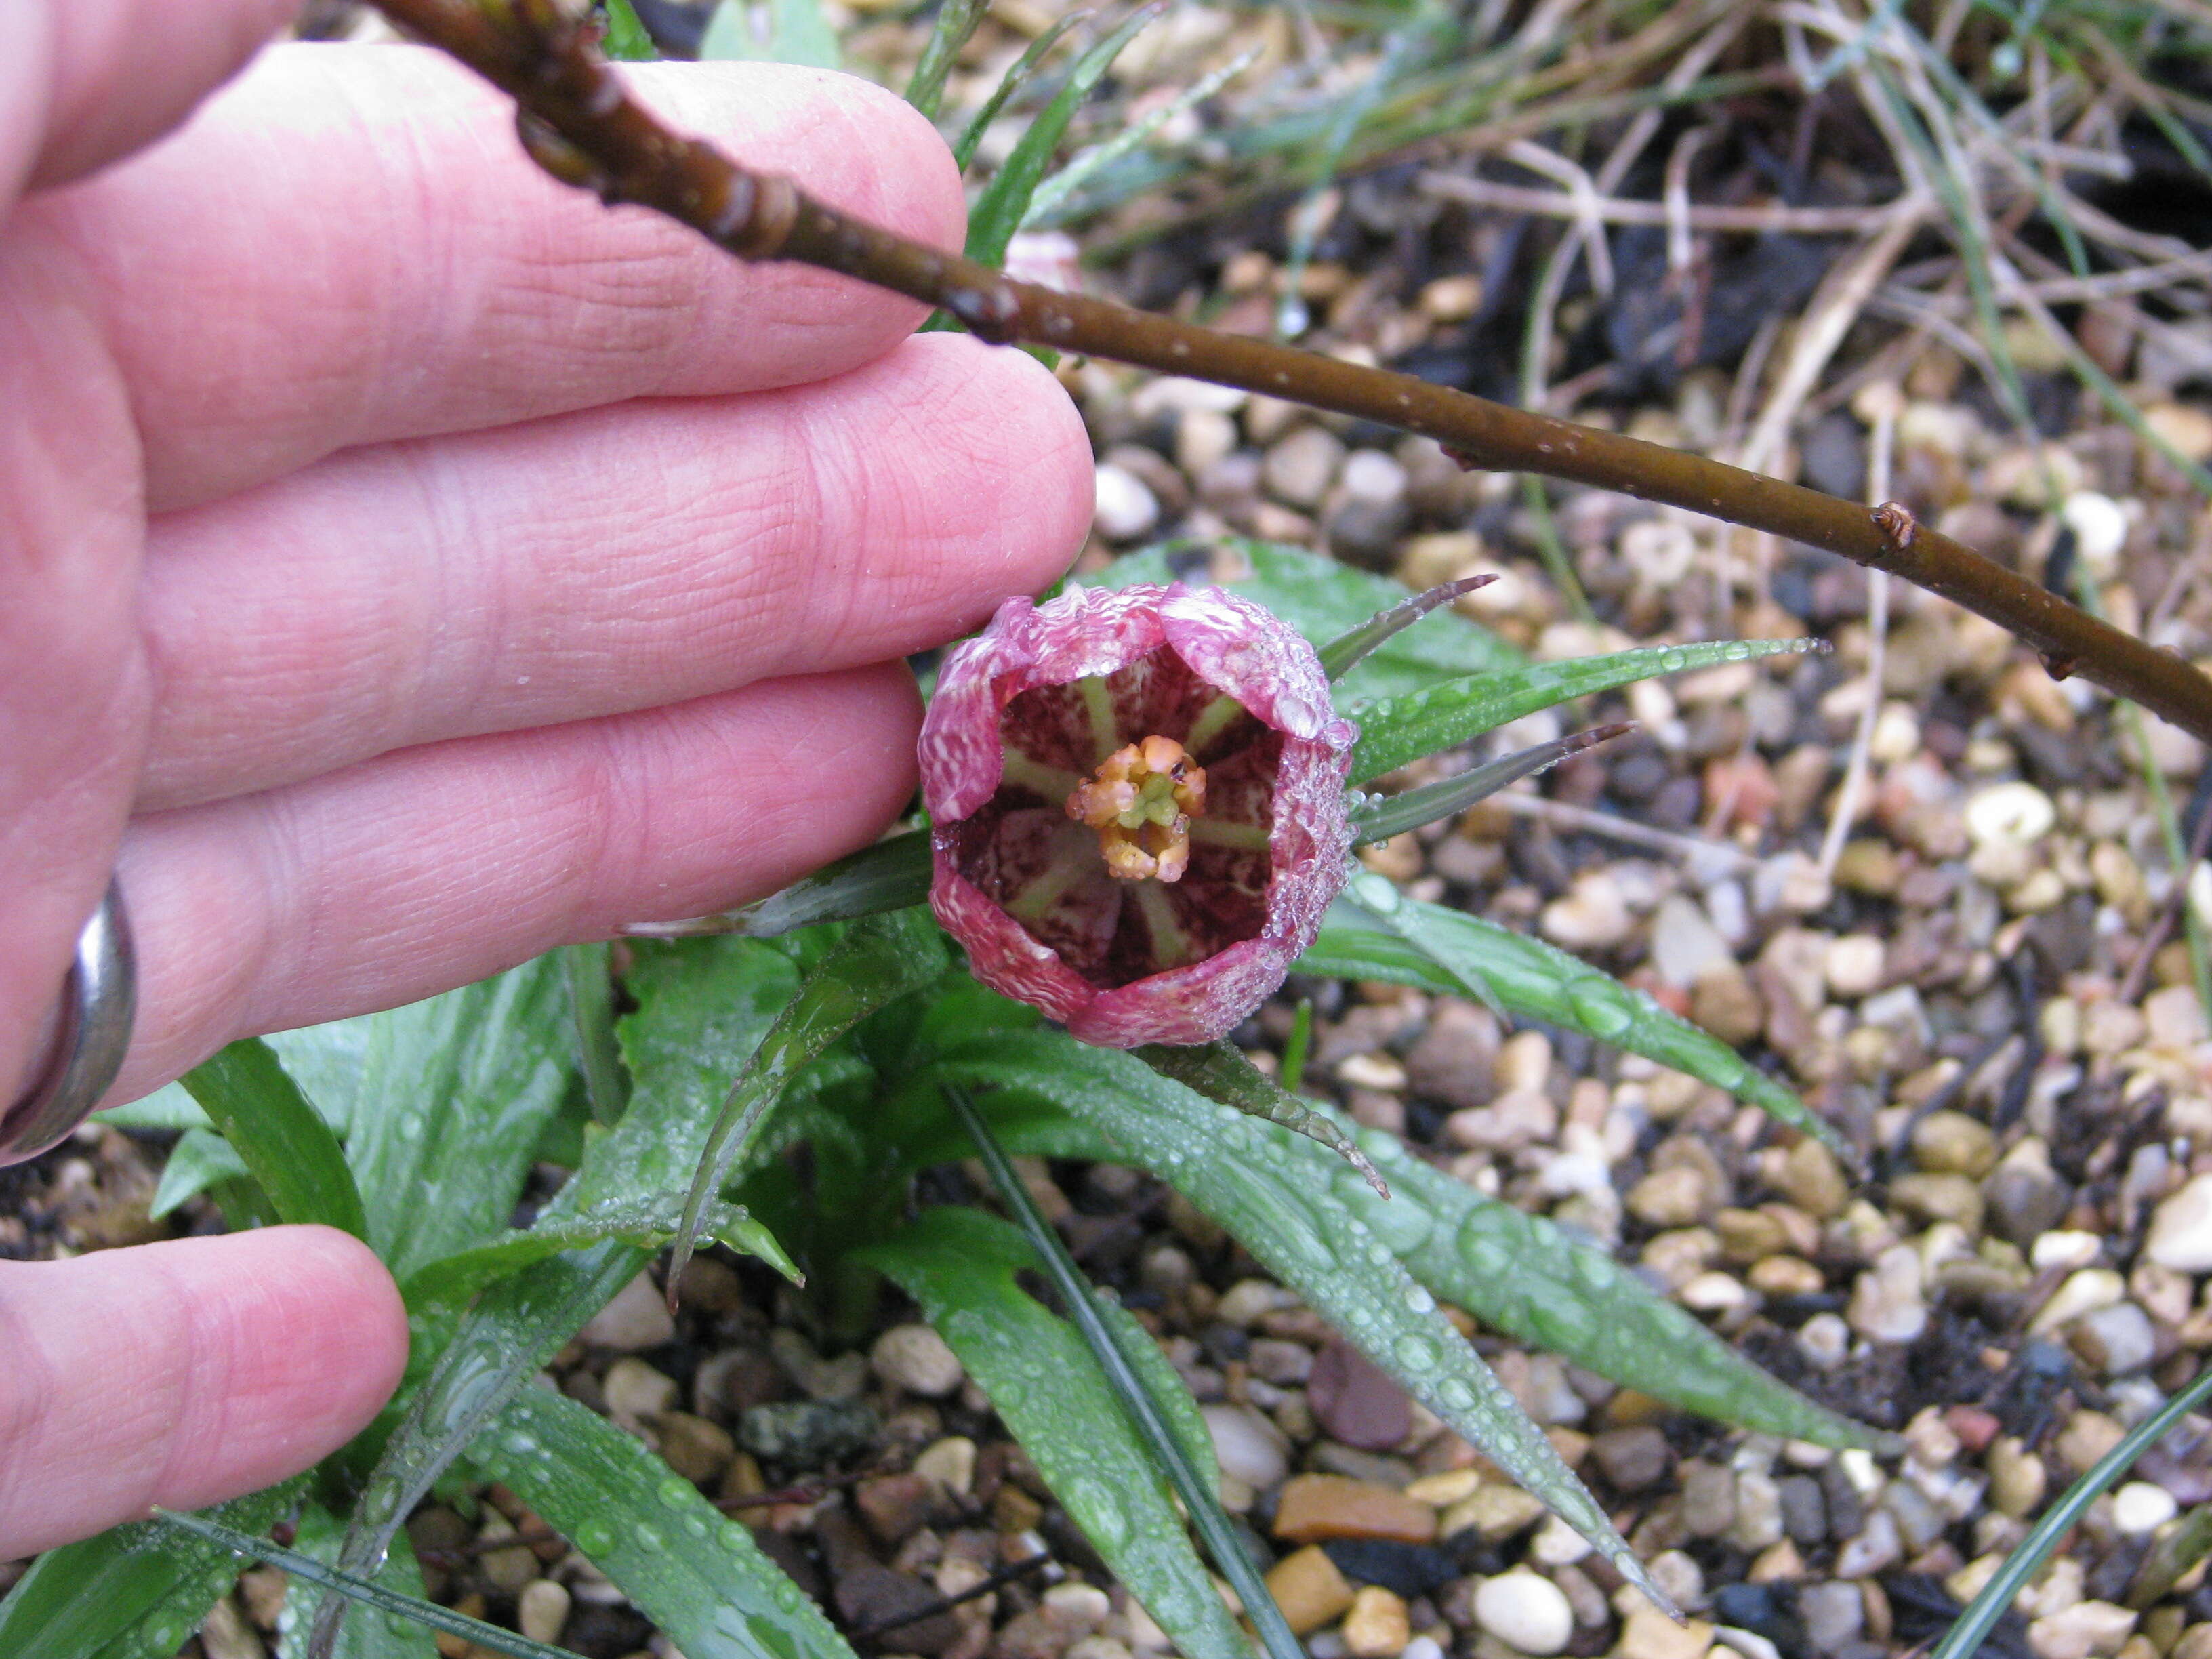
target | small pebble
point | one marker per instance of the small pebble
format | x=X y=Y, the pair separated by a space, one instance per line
x=916 y=1358
x=1313 y=1507
x=2139 y=1507
x=637 y=1318
x=635 y=1394
x=542 y=1610
x=1125 y=507
x=1248 y=1447
x=2087 y=1630
x=950 y=1462
x=1310 y=1589
x=1376 y=1626
x=1886 y=1302
x=2180 y=1234
x=1526 y=1611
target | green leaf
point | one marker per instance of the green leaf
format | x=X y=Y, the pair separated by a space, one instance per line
x=1219 y=1073
x=692 y=1570
x=647 y=1225
x=199 y=1162
x=269 y=1124
x=1423 y=718
x=1017 y=75
x=891 y=875
x=330 y=1062
x=626 y=41
x=877 y=961
x=168 y=1108
x=997 y=213
x=1381 y=934
x=797 y=33
x=515 y=1327
x=955 y=21
x=959 y=1264
x=453 y=1095
x=409 y=1610
x=1380 y=819
x=1052 y=195
x=1529 y=1277
x=591 y=1010
x=364 y=1635
x=1230 y=1165
x=1324 y=600
x=134 y=1592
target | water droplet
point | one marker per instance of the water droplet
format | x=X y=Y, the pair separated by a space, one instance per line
x=411 y=1125
x=1415 y=1353
x=695 y=1525
x=1455 y=1394
x=676 y=1492
x=1675 y=661
x=1418 y=1299
x=1376 y=893
x=1485 y=1255
x=647 y=1539
x=1562 y=1322
x=520 y=1444
x=594 y=1538
x=1596 y=1003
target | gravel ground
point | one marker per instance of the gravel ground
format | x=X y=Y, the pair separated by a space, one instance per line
x=1967 y=960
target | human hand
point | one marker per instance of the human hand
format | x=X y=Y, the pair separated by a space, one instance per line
x=412 y=566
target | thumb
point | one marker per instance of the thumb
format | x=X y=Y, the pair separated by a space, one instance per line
x=184 y=1373
x=84 y=82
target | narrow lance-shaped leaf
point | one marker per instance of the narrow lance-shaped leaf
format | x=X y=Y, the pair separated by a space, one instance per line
x=1217 y=1070
x=1323 y=600
x=200 y=1160
x=591 y=1012
x=1055 y=193
x=997 y=213
x=879 y=960
x=695 y=1573
x=1423 y=719
x=1017 y=75
x=959 y=1264
x=891 y=875
x=647 y=1225
x=1340 y=653
x=133 y=1592
x=1529 y=1277
x=267 y=1121
x=1392 y=815
x=517 y=1326
x=1228 y=1164
x=1444 y=949
x=955 y=21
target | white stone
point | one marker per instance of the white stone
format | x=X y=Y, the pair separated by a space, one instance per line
x=1525 y=1611
x=2015 y=813
x=637 y=1317
x=1124 y=507
x=1248 y=1448
x=1887 y=1303
x=2081 y=1632
x=635 y=1394
x=2084 y=1291
x=2099 y=525
x=1854 y=965
x=915 y=1358
x=2139 y=1507
x=2062 y=1248
x=1685 y=944
x=542 y=1610
x=2181 y=1229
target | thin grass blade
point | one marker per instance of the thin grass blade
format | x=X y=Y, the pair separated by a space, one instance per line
x=695 y=1573
x=955 y=21
x=1434 y=716
x=1381 y=819
x=959 y=1264
x=627 y=40
x=1053 y=193
x=591 y=1012
x=388 y=1636
x=134 y=1592
x=1017 y=75
x=1234 y=1169
x=997 y=213
x=234 y=1543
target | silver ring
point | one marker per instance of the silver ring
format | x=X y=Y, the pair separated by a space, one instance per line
x=92 y=1033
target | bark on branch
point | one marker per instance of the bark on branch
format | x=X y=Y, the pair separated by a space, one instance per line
x=578 y=122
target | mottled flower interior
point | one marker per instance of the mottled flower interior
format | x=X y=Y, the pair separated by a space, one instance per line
x=1047 y=869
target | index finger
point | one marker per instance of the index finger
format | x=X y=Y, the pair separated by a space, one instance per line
x=348 y=246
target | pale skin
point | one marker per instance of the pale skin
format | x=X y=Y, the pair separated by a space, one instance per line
x=408 y=567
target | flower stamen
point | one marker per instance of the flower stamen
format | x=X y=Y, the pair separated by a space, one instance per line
x=1141 y=801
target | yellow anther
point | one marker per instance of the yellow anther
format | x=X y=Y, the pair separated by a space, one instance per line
x=1141 y=801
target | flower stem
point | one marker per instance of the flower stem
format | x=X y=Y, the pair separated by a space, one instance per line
x=579 y=125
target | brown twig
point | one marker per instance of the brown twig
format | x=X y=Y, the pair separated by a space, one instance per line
x=581 y=125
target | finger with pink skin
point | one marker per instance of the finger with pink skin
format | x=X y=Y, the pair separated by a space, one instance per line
x=432 y=867
x=594 y=563
x=184 y=1373
x=82 y=83
x=349 y=246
